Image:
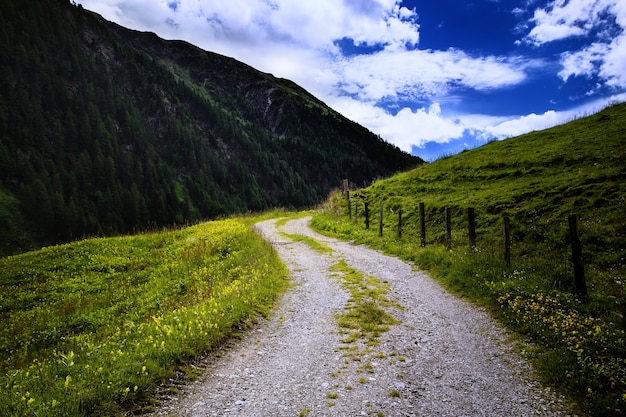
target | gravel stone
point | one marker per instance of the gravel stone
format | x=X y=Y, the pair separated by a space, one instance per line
x=446 y=357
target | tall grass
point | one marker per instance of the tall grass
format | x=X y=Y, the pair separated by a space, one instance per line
x=93 y=327
x=536 y=180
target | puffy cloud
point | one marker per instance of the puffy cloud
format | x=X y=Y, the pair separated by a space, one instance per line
x=405 y=129
x=606 y=60
x=418 y=74
x=604 y=20
x=525 y=124
x=613 y=67
x=583 y=62
x=566 y=18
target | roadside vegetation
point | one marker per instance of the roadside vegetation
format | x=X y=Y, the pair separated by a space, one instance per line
x=536 y=180
x=93 y=327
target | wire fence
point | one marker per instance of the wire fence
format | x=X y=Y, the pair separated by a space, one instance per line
x=357 y=207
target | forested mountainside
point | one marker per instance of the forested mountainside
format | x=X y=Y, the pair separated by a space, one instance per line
x=105 y=130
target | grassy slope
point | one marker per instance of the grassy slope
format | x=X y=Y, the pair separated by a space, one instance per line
x=537 y=180
x=93 y=327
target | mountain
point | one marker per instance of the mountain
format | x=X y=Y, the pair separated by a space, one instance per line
x=105 y=130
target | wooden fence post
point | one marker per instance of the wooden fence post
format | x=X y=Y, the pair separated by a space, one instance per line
x=422 y=225
x=349 y=204
x=346 y=193
x=399 y=223
x=448 y=228
x=580 y=285
x=471 y=222
x=367 y=215
x=380 y=221
x=507 y=240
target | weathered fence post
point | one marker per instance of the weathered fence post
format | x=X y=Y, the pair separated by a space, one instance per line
x=580 y=285
x=507 y=240
x=471 y=222
x=448 y=228
x=380 y=221
x=349 y=205
x=367 y=215
x=422 y=225
x=399 y=223
x=346 y=192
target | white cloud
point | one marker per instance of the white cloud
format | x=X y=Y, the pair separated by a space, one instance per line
x=525 y=124
x=606 y=60
x=566 y=18
x=605 y=56
x=419 y=74
x=583 y=62
x=613 y=68
x=406 y=128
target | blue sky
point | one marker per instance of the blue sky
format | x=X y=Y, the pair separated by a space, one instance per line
x=432 y=77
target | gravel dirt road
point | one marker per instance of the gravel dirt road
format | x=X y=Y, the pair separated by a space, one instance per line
x=446 y=357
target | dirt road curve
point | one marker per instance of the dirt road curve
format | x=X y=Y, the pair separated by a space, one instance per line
x=445 y=358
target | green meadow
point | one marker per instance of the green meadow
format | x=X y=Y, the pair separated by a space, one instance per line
x=536 y=180
x=94 y=327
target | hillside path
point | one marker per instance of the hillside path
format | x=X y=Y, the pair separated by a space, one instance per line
x=445 y=358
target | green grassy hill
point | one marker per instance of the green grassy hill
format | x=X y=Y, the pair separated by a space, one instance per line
x=536 y=180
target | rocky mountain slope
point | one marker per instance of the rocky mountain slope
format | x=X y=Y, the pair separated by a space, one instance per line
x=106 y=130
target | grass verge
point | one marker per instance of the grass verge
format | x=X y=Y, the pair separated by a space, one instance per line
x=93 y=327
